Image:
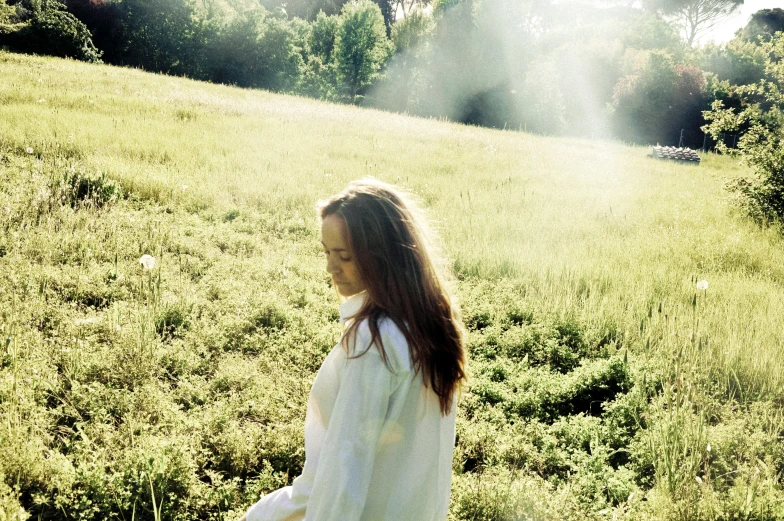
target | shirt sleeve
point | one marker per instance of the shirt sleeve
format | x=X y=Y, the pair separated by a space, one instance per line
x=342 y=479
x=285 y=504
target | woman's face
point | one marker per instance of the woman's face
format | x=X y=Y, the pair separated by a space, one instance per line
x=341 y=263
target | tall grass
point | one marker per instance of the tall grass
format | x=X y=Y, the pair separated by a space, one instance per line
x=570 y=256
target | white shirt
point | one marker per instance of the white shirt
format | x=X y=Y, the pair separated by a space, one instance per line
x=376 y=445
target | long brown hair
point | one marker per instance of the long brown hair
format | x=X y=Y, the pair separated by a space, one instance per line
x=394 y=254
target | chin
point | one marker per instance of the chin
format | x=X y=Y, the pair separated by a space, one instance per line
x=347 y=292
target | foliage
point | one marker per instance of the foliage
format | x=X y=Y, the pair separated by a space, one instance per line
x=652 y=32
x=738 y=61
x=361 y=47
x=654 y=104
x=412 y=32
x=305 y=9
x=258 y=50
x=7 y=13
x=323 y=34
x=404 y=81
x=320 y=74
x=763 y=25
x=161 y=36
x=762 y=144
x=50 y=30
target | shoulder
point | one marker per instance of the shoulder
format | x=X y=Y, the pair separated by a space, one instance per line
x=392 y=339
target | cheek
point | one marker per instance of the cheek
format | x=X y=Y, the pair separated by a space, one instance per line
x=355 y=273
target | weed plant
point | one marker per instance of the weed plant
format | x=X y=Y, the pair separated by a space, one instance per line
x=604 y=383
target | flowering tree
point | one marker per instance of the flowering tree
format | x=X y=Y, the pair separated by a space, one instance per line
x=762 y=144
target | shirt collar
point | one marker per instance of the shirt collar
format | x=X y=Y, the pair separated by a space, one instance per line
x=351 y=306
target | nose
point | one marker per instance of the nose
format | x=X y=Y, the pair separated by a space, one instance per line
x=333 y=266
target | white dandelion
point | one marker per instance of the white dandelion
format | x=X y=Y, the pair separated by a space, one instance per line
x=184 y=187
x=147 y=261
x=41 y=100
x=702 y=285
x=29 y=150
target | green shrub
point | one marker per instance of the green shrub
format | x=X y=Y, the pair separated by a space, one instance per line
x=171 y=321
x=762 y=144
x=10 y=508
x=7 y=13
x=51 y=30
x=60 y=33
x=79 y=189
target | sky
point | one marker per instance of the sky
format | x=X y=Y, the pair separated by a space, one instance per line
x=725 y=31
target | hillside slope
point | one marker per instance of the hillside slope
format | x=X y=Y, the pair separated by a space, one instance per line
x=604 y=384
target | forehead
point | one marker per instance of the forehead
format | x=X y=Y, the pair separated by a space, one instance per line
x=334 y=233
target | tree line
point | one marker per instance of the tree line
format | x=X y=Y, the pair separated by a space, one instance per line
x=627 y=71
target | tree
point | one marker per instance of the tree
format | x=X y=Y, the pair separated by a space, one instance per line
x=404 y=78
x=162 y=36
x=361 y=48
x=654 y=104
x=305 y=9
x=763 y=25
x=738 y=61
x=762 y=144
x=259 y=50
x=695 y=16
x=407 y=7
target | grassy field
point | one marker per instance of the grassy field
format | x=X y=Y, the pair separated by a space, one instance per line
x=604 y=384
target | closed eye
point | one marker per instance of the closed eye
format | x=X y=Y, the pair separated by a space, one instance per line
x=344 y=259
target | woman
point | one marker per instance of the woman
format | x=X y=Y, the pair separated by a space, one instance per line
x=380 y=424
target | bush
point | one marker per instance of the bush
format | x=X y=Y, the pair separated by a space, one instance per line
x=76 y=189
x=52 y=31
x=7 y=13
x=653 y=105
x=762 y=145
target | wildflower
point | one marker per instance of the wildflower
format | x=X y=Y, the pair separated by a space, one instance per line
x=184 y=187
x=41 y=100
x=698 y=479
x=709 y=447
x=702 y=285
x=29 y=150
x=147 y=261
